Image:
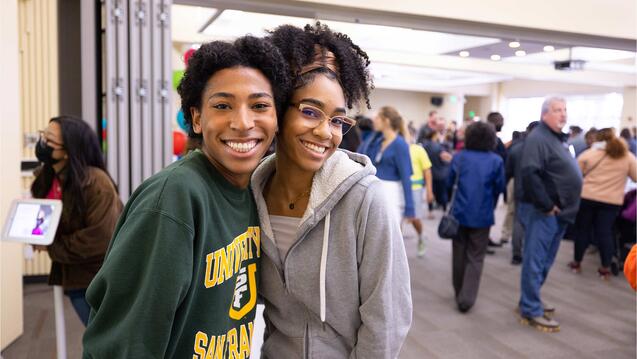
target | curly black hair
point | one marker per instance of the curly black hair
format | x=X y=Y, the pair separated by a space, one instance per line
x=247 y=51
x=297 y=47
x=480 y=136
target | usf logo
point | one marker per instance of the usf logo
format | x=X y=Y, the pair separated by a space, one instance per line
x=245 y=292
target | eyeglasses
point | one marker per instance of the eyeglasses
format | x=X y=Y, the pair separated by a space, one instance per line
x=314 y=117
x=46 y=141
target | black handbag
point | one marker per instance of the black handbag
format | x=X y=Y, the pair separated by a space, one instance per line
x=448 y=227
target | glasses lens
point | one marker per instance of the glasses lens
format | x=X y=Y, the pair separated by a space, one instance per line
x=342 y=123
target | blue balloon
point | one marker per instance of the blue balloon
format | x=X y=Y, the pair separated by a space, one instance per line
x=181 y=121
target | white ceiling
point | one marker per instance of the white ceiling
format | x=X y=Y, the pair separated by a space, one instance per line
x=413 y=59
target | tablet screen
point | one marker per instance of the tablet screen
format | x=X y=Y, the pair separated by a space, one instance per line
x=31 y=220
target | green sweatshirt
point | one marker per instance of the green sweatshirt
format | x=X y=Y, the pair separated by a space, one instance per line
x=180 y=276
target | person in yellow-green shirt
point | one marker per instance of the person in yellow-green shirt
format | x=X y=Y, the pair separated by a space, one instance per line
x=421 y=178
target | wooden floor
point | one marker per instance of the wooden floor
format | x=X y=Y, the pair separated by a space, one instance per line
x=597 y=317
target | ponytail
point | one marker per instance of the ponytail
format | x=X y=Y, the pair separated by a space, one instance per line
x=615 y=148
x=395 y=120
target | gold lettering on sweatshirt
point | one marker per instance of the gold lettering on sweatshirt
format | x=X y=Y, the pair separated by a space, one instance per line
x=223 y=263
x=229 y=345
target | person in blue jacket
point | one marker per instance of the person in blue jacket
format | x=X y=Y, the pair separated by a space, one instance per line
x=389 y=152
x=480 y=179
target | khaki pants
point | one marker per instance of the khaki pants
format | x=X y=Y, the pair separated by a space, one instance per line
x=507 y=226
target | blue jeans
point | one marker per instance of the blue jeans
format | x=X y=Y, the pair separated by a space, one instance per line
x=542 y=236
x=78 y=300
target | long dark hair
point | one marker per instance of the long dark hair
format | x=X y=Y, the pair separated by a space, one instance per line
x=83 y=150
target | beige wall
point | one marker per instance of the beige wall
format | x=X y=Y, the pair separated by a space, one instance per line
x=414 y=106
x=481 y=105
x=11 y=319
x=629 y=112
x=615 y=18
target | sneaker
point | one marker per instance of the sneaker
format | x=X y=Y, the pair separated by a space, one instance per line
x=516 y=260
x=542 y=324
x=576 y=267
x=463 y=308
x=549 y=310
x=421 y=247
x=494 y=244
x=604 y=273
x=490 y=251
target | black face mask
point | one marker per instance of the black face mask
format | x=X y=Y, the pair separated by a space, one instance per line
x=44 y=153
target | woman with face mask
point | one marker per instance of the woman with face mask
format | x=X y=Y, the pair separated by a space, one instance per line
x=73 y=171
x=606 y=167
x=334 y=274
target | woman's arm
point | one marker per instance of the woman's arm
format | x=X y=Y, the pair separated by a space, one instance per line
x=385 y=292
x=103 y=208
x=403 y=162
x=136 y=293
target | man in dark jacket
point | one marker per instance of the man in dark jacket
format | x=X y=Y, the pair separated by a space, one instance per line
x=551 y=184
x=514 y=187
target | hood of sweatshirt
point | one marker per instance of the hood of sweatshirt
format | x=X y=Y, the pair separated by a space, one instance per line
x=339 y=173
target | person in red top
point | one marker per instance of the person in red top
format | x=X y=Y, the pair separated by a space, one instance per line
x=73 y=170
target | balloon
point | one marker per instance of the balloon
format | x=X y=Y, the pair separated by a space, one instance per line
x=179 y=142
x=187 y=56
x=181 y=121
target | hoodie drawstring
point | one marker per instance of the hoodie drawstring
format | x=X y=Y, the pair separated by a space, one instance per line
x=326 y=236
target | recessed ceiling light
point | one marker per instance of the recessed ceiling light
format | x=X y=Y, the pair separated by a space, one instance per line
x=464 y=54
x=495 y=57
x=520 y=53
x=514 y=44
x=549 y=48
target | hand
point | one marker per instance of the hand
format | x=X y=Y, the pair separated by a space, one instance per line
x=430 y=197
x=554 y=211
x=446 y=156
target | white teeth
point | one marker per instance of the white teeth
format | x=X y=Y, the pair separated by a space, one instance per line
x=314 y=148
x=242 y=146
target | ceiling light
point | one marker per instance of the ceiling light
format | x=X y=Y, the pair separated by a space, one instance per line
x=464 y=54
x=520 y=53
x=514 y=44
x=549 y=48
x=495 y=57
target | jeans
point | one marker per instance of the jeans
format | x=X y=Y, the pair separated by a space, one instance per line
x=542 y=236
x=78 y=300
x=598 y=219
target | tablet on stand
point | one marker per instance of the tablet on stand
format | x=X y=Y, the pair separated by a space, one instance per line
x=34 y=222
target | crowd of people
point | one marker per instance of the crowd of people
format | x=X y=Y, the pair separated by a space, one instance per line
x=551 y=182
x=314 y=231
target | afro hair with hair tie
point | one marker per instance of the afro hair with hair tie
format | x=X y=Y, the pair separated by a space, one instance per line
x=298 y=47
x=247 y=51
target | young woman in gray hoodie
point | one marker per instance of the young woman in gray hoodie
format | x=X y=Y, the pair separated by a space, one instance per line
x=334 y=275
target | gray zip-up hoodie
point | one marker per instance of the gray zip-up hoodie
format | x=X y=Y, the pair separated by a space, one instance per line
x=343 y=289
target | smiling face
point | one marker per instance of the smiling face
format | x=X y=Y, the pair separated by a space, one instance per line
x=237 y=119
x=299 y=144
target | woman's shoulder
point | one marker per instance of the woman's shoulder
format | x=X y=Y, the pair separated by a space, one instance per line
x=98 y=177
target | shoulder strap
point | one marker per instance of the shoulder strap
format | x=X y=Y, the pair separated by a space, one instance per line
x=595 y=165
x=455 y=187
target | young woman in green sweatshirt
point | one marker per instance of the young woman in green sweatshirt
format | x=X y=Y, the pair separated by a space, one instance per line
x=180 y=277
